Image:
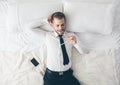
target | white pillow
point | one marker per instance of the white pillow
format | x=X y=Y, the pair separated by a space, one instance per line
x=91 y=1
x=20 y=13
x=3 y=14
x=92 y=17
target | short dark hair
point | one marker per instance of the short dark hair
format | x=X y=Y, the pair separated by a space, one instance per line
x=58 y=15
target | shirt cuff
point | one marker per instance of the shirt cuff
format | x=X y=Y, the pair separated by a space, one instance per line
x=78 y=48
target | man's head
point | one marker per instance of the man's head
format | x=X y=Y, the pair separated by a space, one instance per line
x=58 y=22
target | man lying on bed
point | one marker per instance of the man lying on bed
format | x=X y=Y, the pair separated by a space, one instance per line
x=58 y=47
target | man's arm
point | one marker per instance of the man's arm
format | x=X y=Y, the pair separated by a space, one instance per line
x=38 y=25
x=76 y=43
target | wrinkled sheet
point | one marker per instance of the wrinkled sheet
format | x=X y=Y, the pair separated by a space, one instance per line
x=99 y=67
x=95 y=68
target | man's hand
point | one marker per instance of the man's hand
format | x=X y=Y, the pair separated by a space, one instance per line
x=72 y=38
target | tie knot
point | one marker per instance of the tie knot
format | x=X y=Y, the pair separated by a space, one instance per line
x=60 y=36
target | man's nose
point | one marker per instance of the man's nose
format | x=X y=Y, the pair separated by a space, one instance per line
x=60 y=27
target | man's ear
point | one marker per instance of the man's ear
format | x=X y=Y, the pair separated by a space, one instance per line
x=49 y=20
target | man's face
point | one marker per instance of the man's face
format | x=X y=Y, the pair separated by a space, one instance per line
x=59 y=25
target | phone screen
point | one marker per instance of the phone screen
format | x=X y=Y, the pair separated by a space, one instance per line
x=34 y=62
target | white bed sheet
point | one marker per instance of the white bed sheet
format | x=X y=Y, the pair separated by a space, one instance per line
x=95 y=68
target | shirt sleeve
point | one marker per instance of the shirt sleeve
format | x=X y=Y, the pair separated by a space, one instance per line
x=80 y=47
x=36 y=25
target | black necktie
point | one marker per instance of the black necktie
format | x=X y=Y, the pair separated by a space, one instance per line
x=65 y=55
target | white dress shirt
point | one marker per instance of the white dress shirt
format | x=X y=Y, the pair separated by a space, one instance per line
x=52 y=48
x=53 y=51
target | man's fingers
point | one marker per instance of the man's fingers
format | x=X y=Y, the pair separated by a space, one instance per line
x=71 y=37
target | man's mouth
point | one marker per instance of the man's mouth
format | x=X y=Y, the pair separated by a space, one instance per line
x=60 y=31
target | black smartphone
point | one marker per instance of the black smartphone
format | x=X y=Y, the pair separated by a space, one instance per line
x=34 y=62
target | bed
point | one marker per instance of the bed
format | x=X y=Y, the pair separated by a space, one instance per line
x=95 y=22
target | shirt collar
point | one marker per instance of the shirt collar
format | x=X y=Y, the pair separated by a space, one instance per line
x=56 y=35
